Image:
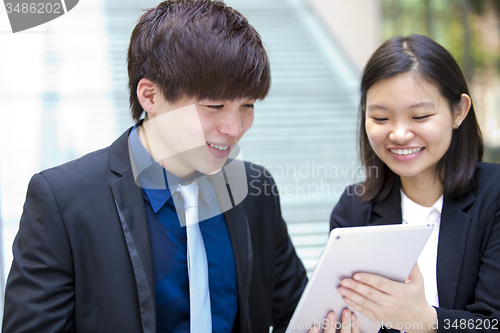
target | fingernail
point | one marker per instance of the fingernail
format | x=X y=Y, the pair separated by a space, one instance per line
x=345 y=283
x=346 y=314
x=357 y=277
x=343 y=291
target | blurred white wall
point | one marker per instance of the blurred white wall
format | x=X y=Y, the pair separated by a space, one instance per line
x=55 y=84
x=355 y=24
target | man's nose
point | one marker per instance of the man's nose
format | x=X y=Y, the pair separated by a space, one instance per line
x=231 y=123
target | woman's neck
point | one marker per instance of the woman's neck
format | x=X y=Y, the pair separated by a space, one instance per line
x=424 y=193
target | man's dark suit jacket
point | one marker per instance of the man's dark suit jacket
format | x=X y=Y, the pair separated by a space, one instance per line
x=468 y=261
x=83 y=262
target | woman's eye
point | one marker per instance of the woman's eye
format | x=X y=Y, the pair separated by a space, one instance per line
x=421 y=117
x=380 y=119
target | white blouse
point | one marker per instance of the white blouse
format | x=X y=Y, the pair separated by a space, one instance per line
x=415 y=214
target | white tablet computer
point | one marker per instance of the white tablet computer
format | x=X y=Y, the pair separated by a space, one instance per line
x=388 y=250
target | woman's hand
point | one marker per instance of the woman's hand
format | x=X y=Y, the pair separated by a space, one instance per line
x=348 y=323
x=393 y=304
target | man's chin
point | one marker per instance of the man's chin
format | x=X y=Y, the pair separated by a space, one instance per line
x=214 y=172
x=212 y=166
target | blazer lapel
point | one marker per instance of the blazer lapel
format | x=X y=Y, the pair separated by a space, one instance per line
x=388 y=211
x=239 y=233
x=130 y=207
x=453 y=232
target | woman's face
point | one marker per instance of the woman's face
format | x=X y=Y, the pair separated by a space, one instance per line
x=409 y=124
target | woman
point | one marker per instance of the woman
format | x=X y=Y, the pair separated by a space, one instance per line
x=421 y=147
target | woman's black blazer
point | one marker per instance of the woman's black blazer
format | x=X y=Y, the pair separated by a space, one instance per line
x=468 y=260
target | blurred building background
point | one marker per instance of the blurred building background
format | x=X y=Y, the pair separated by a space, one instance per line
x=468 y=29
x=63 y=93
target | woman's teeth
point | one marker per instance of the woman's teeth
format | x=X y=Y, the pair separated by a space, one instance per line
x=406 y=151
x=218 y=147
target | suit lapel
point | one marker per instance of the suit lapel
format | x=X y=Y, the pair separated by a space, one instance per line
x=243 y=257
x=130 y=207
x=388 y=211
x=453 y=233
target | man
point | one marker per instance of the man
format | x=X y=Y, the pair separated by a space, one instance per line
x=102 y=245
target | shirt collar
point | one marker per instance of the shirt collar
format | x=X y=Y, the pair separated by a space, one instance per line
x=413 y=213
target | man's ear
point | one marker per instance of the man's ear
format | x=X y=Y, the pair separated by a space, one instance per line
x=146 y=91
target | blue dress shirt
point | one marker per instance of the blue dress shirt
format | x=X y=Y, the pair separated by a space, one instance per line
x=168 y=242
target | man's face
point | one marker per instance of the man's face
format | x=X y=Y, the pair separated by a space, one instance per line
x=196 y=135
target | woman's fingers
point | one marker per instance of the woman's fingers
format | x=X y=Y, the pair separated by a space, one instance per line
x=329 y=325
x=362 y=297
x=315 y=329
x=348 y=323
x=354 y=324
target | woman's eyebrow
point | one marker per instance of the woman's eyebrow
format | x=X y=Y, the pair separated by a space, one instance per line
x=421 y=104
x=374 y=107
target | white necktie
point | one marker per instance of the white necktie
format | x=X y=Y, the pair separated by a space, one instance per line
x=199 y=294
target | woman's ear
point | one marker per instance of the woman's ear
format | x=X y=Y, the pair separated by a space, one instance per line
x=461 y=110
x=146 y=91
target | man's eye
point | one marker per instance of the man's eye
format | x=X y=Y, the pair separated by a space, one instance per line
x=250 y=106
x=215 y=106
